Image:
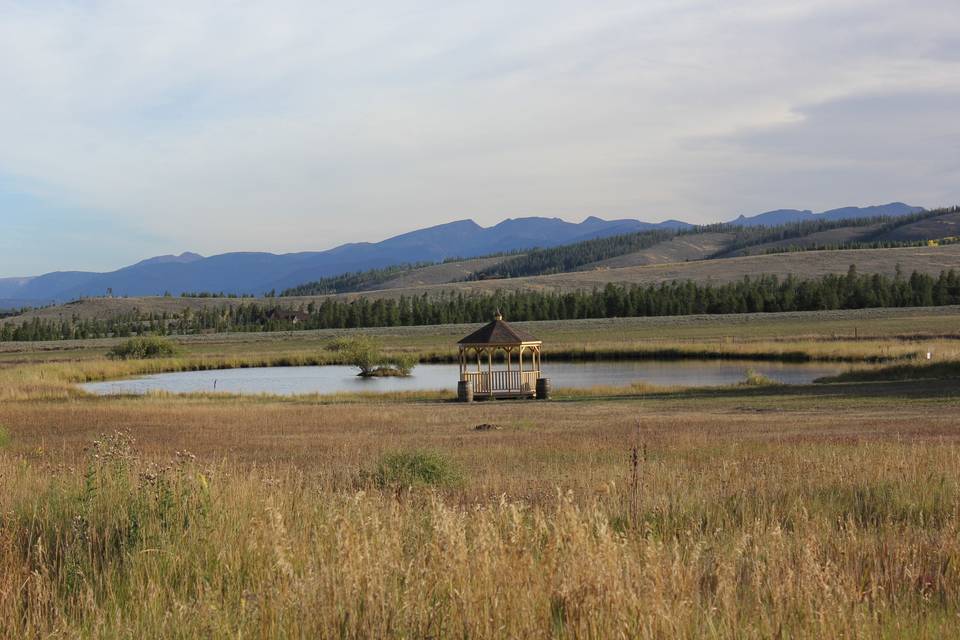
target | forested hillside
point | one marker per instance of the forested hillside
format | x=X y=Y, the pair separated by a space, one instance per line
x=355 y=281
x=760 y=294
x=876 y=233
x=819 y=234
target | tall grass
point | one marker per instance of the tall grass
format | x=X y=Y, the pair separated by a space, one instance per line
x=730 y=546
x=919 y=370
x=144 y=347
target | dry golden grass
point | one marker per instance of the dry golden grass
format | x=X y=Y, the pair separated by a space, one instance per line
x=755 y=513
x=751 y=512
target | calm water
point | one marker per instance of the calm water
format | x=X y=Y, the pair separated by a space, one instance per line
x=332 y=379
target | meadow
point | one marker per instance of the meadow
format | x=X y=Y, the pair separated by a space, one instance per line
x=753 y=511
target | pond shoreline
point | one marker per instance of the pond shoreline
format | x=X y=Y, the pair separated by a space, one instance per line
x=429 y=377
x=669 y=354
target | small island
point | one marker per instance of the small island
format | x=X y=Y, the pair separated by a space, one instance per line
x=366 y=353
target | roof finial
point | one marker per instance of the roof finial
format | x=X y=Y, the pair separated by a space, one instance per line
x=498 y=315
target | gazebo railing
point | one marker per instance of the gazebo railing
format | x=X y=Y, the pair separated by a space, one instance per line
x=490 y=382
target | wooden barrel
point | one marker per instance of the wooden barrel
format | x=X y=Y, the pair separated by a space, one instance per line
x=465 y=391
x=543 y=388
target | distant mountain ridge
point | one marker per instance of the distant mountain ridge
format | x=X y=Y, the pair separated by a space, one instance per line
x=257 y=273
x=184 y=258
x=785 y=216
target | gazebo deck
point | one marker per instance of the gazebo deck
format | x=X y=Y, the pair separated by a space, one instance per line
x=503 y=384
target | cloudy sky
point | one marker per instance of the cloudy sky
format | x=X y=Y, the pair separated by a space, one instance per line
x=133 y=128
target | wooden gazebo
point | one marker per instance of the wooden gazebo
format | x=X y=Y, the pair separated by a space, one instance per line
x=519 y=379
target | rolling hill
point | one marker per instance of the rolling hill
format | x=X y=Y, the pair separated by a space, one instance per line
x=678 y=249
x=258 y=273
x=938 y=227
x=804 y=264
x=692 y=254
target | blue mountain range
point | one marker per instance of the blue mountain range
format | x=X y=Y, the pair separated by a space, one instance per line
x=257 y=273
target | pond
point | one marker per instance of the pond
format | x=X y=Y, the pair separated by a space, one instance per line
x=334 y=379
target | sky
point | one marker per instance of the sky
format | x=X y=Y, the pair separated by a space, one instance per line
x=130 y=129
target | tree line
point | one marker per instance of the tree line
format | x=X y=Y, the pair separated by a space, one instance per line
x=843 y=246
x=764 y=293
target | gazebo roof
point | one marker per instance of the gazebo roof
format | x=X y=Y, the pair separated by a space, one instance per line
x=498 y=332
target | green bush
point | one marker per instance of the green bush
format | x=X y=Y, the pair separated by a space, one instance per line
x=360 y=351
x=403 y=363
x=365 y=353
x=755 y=379
x=4 y=437
x=138 y=348
x=417 y=468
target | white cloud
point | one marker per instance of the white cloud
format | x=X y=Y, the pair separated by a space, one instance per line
x=298 y=125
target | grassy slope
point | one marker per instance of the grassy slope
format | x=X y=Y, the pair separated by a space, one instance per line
x=938 y=227
x=441 y=273
x=678 y=249
x=820 y=238
x=803 y=264
x=931 y=228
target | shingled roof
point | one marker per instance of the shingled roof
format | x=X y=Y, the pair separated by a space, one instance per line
x=497 y=332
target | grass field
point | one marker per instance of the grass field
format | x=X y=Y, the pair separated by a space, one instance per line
x=50 y=369
x=749 y=513
x=828 y=510
x=816 y=326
